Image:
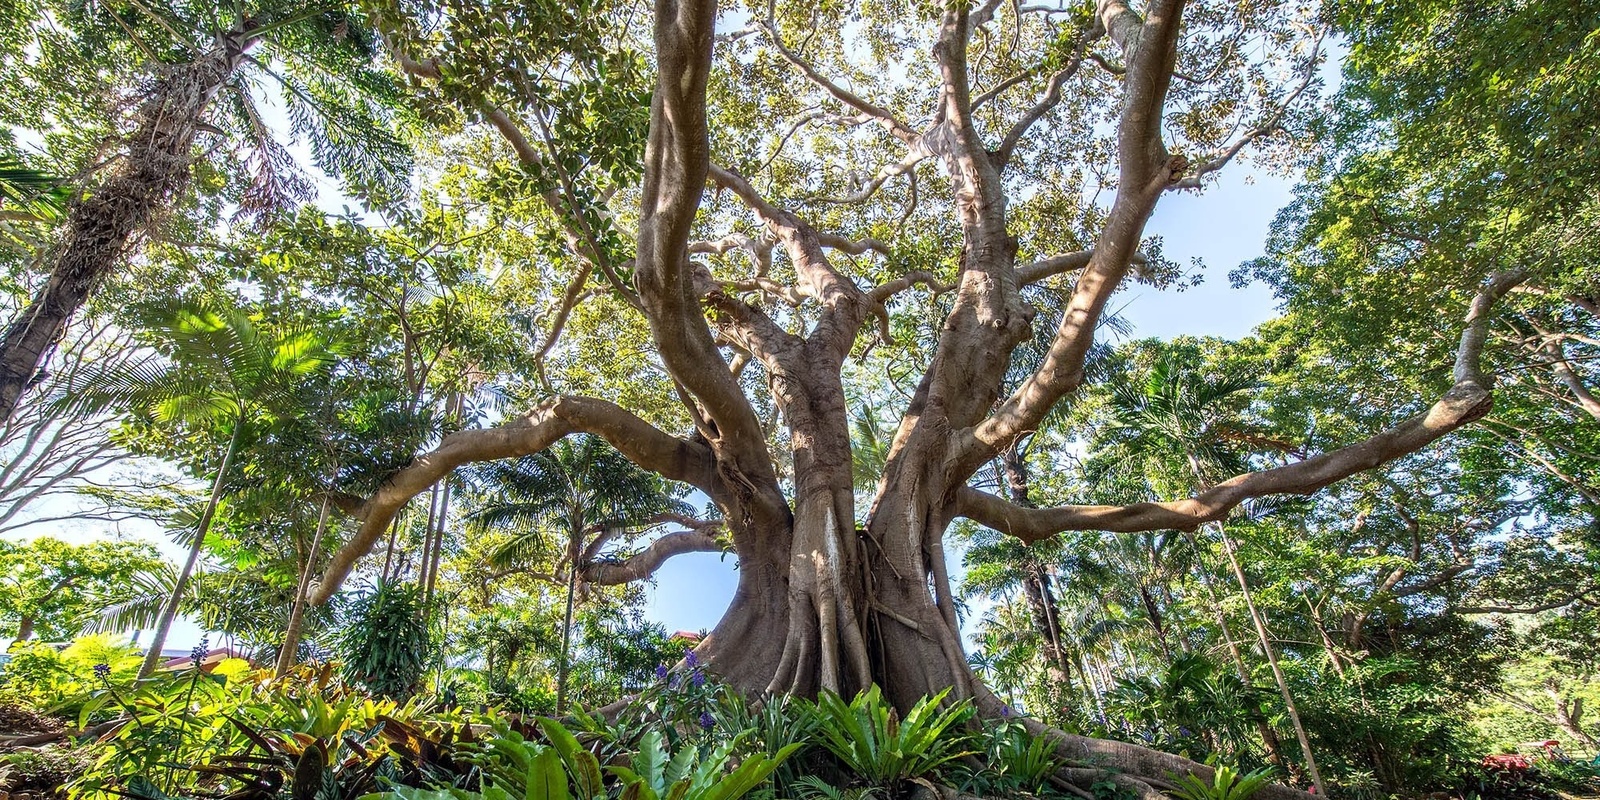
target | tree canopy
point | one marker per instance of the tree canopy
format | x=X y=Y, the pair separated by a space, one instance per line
x=831 y=290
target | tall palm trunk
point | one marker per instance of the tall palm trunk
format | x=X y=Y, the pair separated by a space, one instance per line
x=1272 y=660
x=566 y=623
x=291 y=634
x=154 y=168
x=169 y=612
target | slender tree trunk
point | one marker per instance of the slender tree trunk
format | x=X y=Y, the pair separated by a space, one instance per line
x=434 y=556
x=1272 y=659
x=1269 y=737
x=1328 y=644
x=291 y=634
x=1036 y=586
x=25 y=628
x=1569 y=715
x=388 y=551
x=153 y=170
x=169 y=611
x=1157 y=621
x=566 y=623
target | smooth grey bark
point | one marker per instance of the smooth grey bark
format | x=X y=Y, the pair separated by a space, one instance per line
x=291 y=635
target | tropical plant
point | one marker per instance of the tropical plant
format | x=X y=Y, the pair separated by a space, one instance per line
x=317 y=53
x=51 y=588
x=1226 y=784
x=193 y=732
x=876 y=743
x=1016 y=760
x=1193 y=706
x=812 y=787
x=569 y=502
x=64 y=682
x=222 y=373
x=29 y=192
x=385 y=644
x=1177 y=429
x=690 y=776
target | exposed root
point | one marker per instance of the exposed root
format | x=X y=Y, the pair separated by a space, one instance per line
x=1121 y=760
x=1144 y=787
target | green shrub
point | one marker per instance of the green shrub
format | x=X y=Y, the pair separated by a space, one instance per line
x=385 y=645
x=1226 y=784
x=61 y=682
x=868 y=735
x=1018 y=760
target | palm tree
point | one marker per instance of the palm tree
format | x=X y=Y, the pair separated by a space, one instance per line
x=574 y=499
x=316 y=52
x=1176 y=430
x=222 y=375
x=1001 y=566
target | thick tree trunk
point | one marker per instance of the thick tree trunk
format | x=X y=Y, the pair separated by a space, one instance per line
x=169 y=611
x=154 y=169
x=25 y=629
x=913 y=645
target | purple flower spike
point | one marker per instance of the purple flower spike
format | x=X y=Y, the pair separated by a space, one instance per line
x=1005 y=711
x=691 y=659
x=698 y=679
x=661 y=672
x=672 y=681
x=199 y=652
x=707 y=721
x=102 y=671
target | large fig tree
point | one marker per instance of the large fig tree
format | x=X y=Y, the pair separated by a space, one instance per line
x=996 y=155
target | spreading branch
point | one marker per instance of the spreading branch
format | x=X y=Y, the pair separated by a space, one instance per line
x=645 y=445
x=890 y=123
x=641 y=565
x=1272 y=124
x=1469 y=399
x=1145 y=171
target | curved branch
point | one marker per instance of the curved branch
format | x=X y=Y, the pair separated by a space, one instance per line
x=1145 y=169
x=887 y=290
x=905 y=165
x=895 y=127
x=642 y=443
x=676 y=163
x=1272 y=124
x=1051 y=98
x=643 y=564
x=1054 y=265
x=846 y=306
x=1469 y=399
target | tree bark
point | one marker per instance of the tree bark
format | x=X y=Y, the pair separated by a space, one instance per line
x=1037 y=590
x=169 y=611
x=154 y=169
x=562 y=668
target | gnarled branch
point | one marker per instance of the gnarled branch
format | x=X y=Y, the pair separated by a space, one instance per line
x=1469 y=399
x=642 y=565
x=642 y=443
